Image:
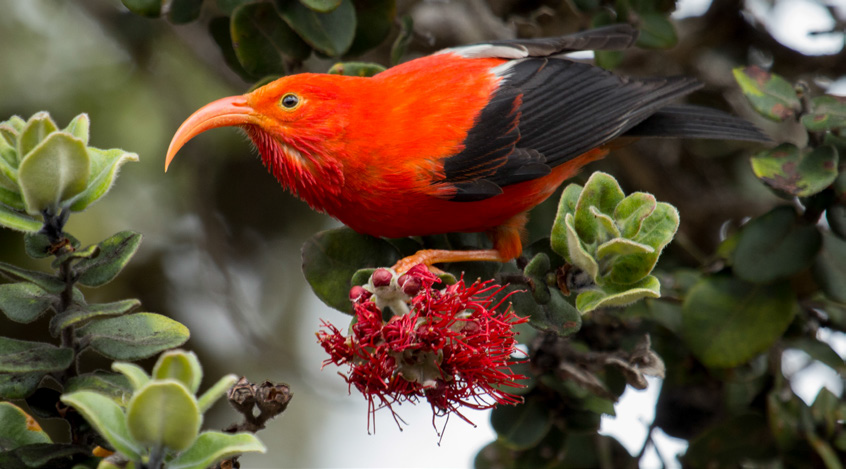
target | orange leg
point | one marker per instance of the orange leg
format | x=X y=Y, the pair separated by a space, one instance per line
x=507 y=245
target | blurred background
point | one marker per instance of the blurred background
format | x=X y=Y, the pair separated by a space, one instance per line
x=222 y=240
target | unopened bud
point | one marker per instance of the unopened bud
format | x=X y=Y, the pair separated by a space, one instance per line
x=410 y=285
x=381 y=278
x=358 y=293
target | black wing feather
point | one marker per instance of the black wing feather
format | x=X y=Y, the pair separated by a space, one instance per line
x=548 y=110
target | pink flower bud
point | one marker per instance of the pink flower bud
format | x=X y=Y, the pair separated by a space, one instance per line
x=410 y=285
x=357 y=293
x=381 y=278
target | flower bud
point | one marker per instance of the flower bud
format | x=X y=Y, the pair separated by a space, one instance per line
x=410 y=285
x=381 y=278
x=358 y=293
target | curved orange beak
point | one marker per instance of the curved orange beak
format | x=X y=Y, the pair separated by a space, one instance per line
x=224 y=112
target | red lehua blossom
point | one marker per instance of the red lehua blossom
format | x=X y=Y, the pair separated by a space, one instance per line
x=452 y=348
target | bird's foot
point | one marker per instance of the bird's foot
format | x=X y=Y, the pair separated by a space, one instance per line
x=428 y=257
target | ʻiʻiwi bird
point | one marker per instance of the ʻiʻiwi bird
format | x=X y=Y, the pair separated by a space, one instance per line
x=465 y=140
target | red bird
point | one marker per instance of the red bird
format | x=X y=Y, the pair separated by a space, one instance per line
x=465 y=140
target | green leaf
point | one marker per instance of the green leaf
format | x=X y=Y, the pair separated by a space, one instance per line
x=229 y=6
x=163 y=413
x=20 y=356
x=775 y=246
x=179 y=365
x=211 y=447
x=330 y=33
x=79 y=127
x=18 y=221
x=113 y=385
x=835 y=215
x=136 y=375
x=215 y=392
x=602 y=192
x=19 y=386
x=321 y=6
x=184 y=11
x=220 y=31
x=726 y=321
x=404 y=38
x=147 y=8
x=827 y=410
x=656 y=31
x=830 y=267
x=263 y=41
x=771 y=95
x=557 y=315
x=80 y=313
x=330 y=258
x=133 y=336
x=632 y=211
x=115 y=253
x=107 y=418
x=787 y=171
x=611 y=295
x=8 y=166
x=18 y=429
x=536 y=270
x=47 y=282
x=577 y=254
x=608 y=59
x=104 y=170
x=566 y=205
x=24 y=302
x=828 y=113
x=36 y=129
x=46 y=455
x=356 y=69
x=523 y=425
x=374 y=19
x=55 y=170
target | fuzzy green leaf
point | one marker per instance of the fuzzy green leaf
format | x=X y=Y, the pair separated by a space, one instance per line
x=80 y=313
x=106 y=416
x=566 y=205
x=612 y=295
x=20 y=356
x=632 y=211
x=771 y=95
x=321 y=6
x=114 y=385
x=133 y=336
x=19 y=385
x=211 y=447
x=330 y=33
x=602 y=192
x=36 y=129
x=18 y=221
x=404 y=38
x=179 y=365
x=164 y=413
x=184 y=11
x=726 y=321
x=136 y=375
x=115 y=253
x=47 y=282
x=577 y=254
x=18 y=429
x=24 y=302
x=104 y=170
x=215 y=392
x=54 y=171
x=787 y=170
x=79 y=127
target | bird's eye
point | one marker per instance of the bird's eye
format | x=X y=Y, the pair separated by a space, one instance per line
x=290 y=101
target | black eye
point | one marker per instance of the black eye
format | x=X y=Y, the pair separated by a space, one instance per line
x=290 y=101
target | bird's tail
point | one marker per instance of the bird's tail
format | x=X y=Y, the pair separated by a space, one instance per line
x=689 y=121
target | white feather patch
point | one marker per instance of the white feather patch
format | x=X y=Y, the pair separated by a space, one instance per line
x=486 y=51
